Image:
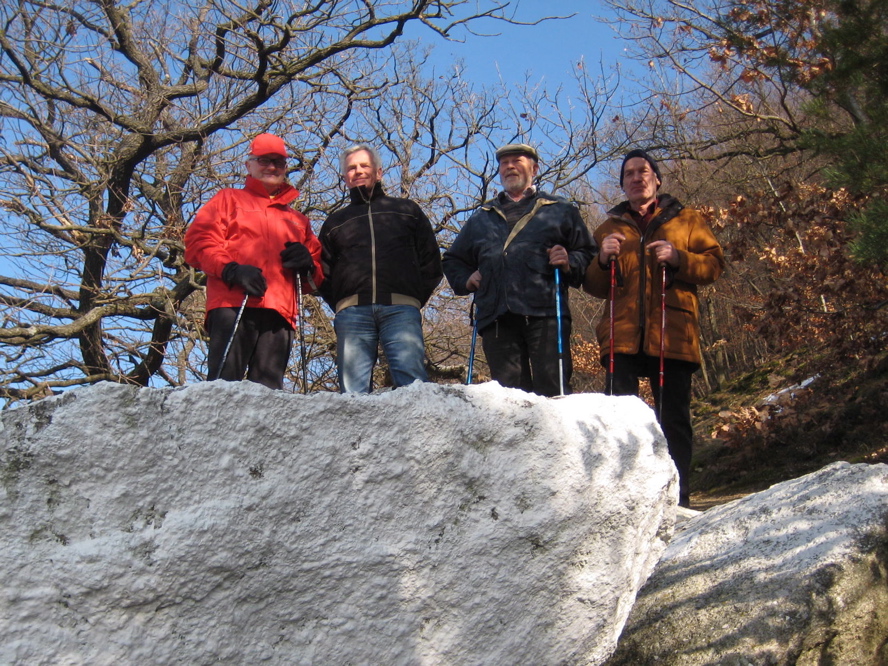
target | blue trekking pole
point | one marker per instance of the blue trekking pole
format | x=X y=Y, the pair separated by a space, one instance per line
x=474 y=340
x=558 y=319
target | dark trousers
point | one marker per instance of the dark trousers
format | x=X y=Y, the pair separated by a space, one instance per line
x=674 y=414
x=260 y=348
x=522 y=352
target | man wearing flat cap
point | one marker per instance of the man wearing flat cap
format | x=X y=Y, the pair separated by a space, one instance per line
x=252 y=244
x=507 y=254
x=644 y=234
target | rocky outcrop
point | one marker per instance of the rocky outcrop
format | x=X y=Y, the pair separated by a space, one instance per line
x=226 y=523
x=797 y=574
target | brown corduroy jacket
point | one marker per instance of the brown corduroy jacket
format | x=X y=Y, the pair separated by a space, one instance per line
x=637 y=313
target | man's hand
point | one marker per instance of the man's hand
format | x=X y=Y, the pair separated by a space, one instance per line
x=610 y=248
x=245 y=276
x=474 y=281
x=558 y=257
x=665 y=253
x=297 y=258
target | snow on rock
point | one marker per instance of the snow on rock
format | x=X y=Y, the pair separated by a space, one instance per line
x=792 y=575
x=227 y=523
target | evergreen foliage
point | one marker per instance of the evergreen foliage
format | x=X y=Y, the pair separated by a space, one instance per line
x=856 y=44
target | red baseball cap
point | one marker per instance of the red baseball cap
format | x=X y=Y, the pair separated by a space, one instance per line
x=268 y=144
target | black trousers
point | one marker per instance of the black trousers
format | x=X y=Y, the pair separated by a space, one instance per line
x=673 y=407
x=260 y=347
x=522 y=352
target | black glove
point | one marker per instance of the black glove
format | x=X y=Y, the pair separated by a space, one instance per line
x=297 y=258
x=246 y=276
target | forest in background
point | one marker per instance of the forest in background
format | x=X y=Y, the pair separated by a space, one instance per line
x=118 y=121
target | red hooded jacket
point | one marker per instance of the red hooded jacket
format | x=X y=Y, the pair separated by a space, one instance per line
x=250 y=227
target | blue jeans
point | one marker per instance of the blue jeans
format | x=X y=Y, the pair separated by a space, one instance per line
x=360 y=329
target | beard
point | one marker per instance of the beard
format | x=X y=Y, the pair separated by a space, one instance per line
x=515 y=183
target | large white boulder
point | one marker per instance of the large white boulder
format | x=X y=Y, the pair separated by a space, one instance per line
x=795 y=575
x=226 y=523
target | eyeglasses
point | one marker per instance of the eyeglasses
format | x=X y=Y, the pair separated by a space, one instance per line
x=279 y=162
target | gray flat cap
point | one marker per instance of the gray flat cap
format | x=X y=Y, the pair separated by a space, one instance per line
x=517 y=149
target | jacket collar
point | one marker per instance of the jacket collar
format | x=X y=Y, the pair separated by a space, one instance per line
x=546 y=198
x=285 y=195
x=667 y=207
x=504 y=198
x=361 y=195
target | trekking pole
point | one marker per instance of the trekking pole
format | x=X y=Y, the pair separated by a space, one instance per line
x=662 y=335
x=558 y=319
x=240 y=312
x=301 y=333
x=474 y=341
x=613 y=295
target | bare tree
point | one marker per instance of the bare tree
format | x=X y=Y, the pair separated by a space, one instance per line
x=712 y=59
x=118 y=120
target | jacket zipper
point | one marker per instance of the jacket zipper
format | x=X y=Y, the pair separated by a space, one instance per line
x=372 y=252
x=655 y=223
x=642 y=289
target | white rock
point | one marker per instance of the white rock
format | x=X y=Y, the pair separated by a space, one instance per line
x=792 y=575
x=226 y=523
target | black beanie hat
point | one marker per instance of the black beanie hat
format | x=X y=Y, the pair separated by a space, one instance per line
x=638 y=152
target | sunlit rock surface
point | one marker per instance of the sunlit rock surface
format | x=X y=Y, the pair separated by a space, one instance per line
x=797 y=574
x=226 y=523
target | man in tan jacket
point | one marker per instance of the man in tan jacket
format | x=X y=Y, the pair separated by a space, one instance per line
x=642 y=234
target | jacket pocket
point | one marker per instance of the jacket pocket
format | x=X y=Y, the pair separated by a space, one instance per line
x=538 y=282
x=680 y=330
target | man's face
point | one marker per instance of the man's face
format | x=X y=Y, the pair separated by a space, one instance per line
x=517 y=172
x=270 y=170
x=640 y=183
x=359 y=170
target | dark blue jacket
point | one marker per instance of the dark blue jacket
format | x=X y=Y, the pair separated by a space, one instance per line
x=518 y=278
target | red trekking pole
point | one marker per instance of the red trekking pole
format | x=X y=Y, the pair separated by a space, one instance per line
x=613 y=295
x=662 y=334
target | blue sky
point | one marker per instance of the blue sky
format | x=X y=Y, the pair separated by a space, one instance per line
x=548 y=51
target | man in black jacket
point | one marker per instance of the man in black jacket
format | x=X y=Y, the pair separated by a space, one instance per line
x=507 y=254
x=381 y=264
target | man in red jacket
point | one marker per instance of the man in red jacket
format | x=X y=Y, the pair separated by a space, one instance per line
x=251 y=244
